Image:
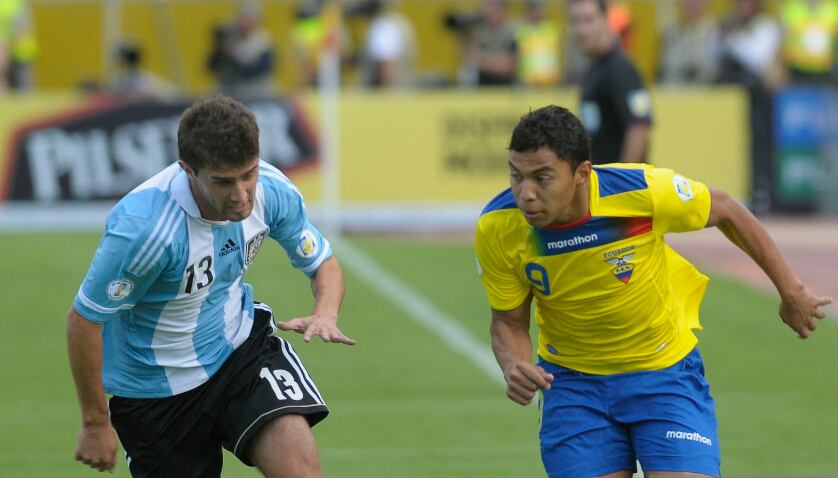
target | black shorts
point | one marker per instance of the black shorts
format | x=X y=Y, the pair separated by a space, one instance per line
x=182 y=435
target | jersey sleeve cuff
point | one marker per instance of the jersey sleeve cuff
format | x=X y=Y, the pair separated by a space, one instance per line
x=326 y=253
x=95 y=312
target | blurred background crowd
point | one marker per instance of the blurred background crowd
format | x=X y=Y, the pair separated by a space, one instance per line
x=398 y=44
x=255 y=49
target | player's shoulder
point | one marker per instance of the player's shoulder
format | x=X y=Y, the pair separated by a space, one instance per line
x=622 y=63
x=501 y=216
x=618 y=178
x=275 y=182
x=148 y=210
x=502 y=201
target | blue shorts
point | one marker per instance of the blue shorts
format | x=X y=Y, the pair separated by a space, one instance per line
x=593 y=425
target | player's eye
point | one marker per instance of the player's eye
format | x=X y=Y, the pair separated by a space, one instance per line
x=544 y=179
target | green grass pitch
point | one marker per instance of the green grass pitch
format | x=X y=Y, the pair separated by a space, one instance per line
x=402 y=403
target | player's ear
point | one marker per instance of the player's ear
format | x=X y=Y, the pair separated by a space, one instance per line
x=186 y=167
x=583 y=172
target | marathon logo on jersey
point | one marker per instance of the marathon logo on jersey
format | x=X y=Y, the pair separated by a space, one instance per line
x=229 y=247
x=691 y=436
x=620 y=260
x=572 y=242
x=252 y=247
x=307 y=247
x=682 y=187
x=120 y=289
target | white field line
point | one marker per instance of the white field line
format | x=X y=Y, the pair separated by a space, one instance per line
x=422 y=311
x=418 y=308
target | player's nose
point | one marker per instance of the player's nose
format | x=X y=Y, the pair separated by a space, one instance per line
x=528 y=191
x=239 y=192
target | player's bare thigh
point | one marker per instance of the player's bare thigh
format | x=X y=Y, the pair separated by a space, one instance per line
x=285 y=448
x=657 y=474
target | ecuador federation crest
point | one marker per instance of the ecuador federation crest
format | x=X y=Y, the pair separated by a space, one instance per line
x=620 y=260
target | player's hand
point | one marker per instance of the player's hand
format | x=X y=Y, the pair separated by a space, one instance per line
x=96 y=447
x=325 y=327
x=799 y=310
x=523 y=380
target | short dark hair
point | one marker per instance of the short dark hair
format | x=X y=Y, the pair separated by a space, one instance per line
x=602 y=4
x=217 y=132
x=556 y=129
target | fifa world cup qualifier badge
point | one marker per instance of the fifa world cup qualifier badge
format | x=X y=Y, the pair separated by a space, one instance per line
x=682 y=187
x=307 y=246
x=120 y=289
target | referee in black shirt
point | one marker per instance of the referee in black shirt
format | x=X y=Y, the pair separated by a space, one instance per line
x=616 y=108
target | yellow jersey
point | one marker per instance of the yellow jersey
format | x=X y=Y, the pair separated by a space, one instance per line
x=611 y=296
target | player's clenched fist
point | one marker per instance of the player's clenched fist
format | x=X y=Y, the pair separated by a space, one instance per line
x=96 y=447
x=523 y=380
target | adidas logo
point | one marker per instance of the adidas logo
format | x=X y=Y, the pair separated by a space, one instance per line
x=229 y=248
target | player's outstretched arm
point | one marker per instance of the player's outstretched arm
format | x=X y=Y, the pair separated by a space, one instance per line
x=798 y=306
x=96 y=443
x=512 y=346
x=328 y=288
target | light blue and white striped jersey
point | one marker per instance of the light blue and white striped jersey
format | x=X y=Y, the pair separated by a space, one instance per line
x=167 y=284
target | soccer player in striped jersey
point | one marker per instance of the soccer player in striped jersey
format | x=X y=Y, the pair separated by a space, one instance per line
x=620 y=375
x=164 y=323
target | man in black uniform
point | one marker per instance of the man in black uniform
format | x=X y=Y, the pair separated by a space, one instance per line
x=616 y=108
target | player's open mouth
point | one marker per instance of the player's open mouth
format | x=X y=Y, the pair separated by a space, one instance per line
x=531 y=214
x=238 y=208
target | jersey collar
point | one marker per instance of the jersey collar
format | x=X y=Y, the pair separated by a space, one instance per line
x=182 y=194
x=568 y=225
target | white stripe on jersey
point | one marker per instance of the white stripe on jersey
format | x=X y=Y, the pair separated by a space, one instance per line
x=273 y=173
x=166 y=242
x=173 y=341
x=237 y=323
x=168 y=210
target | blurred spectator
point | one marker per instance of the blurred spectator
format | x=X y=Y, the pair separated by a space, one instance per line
x=242 y=58
x=616 y=108
x=750 y=57
x=310 y=36
x=132 y=81
x=810 y=35
x=389 y=47
x=493 y=52
x=691 y=48
x=539 y=47
x=620 y=21
x=17 y=46
x=751 y=46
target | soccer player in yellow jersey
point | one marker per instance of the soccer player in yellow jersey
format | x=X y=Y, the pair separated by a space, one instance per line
x=621 y=376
